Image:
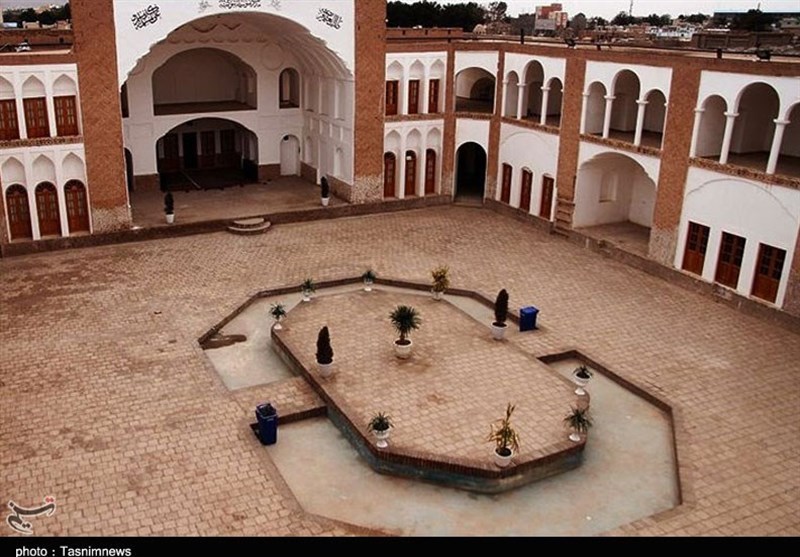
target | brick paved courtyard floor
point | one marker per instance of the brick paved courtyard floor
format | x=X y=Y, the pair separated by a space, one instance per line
x=108 y=403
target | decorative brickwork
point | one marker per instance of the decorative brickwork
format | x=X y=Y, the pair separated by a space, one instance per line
x=95 y=44
x=569 y=140
x=449 y=141
x=41 y=142
x=492 y=163
x=370 y=75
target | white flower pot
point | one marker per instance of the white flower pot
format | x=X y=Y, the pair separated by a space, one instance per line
x=367 y=285
x=437 y=294
x=325 y=370
x=277 y=326
x=170 y=218
x=306 y=295
x=575 y=437
x=325 y=201
x=382 y=437
x=502 y=461
x=499 y=332
x=403 y=351
x=581 y=382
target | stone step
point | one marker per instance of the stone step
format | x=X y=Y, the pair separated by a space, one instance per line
x=249 y=227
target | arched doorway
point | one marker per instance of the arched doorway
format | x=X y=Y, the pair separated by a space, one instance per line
x=19 y=215
x=471 y=171
x=475 y=91
x=430 y=172
x=389 y=174
x=47 y=210
x=290 y=156
x=207 y=153
x=77 y=206
x=129 y=176
x=411 y=174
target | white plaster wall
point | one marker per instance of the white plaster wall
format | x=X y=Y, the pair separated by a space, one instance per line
x=730 y=86
x=417 y=136
x=650 y=77
x=712 y=128
x=47 y=75
x=553 y=67
x=424 y=66
x=758 y=212
x=469 y=130
x=54 y=163
x=134 y=43
x=525 y=148
x=486 y=60
x=651 y=165
x=322 y=116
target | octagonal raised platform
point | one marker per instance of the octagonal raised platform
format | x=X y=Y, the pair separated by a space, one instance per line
x=443 y=400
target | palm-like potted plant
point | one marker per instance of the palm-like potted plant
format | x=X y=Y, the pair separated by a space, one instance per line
x=505 y=438
x=368 y=277
x=380 y=425
x=405 y=319
x=325 y=191
x=278 y=312
x=308 y=287
x=169 y=207
x=440 y=281
x=500 y=315
x=581 y=377
x=324 y=352
x=579 y=421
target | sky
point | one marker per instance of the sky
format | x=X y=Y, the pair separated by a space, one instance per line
x=604 y=8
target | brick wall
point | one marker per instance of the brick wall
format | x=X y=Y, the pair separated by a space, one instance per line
x=100 y=111
x=791 y=303
x=569 y=139
x=449 y=135
x=370 y=75
x=674 y=163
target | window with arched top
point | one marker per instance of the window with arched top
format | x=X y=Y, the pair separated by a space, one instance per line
x=430 y=172
x=290 y=88
x=389 y=174
x=9 y=126
x=35 y=105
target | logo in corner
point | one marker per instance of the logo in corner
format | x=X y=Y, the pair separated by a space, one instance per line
x=17 y=519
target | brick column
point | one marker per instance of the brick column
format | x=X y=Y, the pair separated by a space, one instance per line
x=569 y=139
x=95 y=50
x=449 y=139
x=493 y=154
x=370 y=78
x=674 y=163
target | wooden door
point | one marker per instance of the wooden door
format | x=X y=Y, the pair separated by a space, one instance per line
x=433 y=97
x=208 y=149
x=430 y=172
x=389 y=169
x=47 y=210
x=413 y=96
x=505 y=193
x=730 y=260
x=19 y=215
x=9 y=126
x=411 y=174
x=66 y=116
x=525 y=195
x=391 y=98
x=171 y=161
x=36 y=117
x=548 y=188
x=190 y=158
x=694 y=257
x=768 y=273
x=229 y=158
x=77 y=206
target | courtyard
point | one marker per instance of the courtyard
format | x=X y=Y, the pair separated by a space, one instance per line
x=109 y=404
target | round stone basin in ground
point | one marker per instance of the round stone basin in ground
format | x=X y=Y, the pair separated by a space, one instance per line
x=443 y=400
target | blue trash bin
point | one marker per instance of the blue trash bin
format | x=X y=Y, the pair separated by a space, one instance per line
x=527 y=318
x=267 y=418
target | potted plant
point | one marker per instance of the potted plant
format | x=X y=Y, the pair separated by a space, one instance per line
x=581 y=377
x=169 y=207
x=380 y=426
x=308 y=287
x=579 y=421
x=368 y=277
x=278 y=312
x=324 y=352
x=505 y=438
x=405 y=319
x=441 y=281
x=500 y=315
x=325 y=191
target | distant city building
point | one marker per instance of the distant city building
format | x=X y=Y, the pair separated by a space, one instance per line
x=551 y=18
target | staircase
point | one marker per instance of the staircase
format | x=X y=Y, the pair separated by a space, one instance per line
x=564 y=210
x=249 y=227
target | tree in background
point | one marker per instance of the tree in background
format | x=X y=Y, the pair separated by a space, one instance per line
x=695 y=18
x=578 y=23
x=432 y=14
x=47 y=17
x=497 y=12
x=754 y=20
x=658 y=20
